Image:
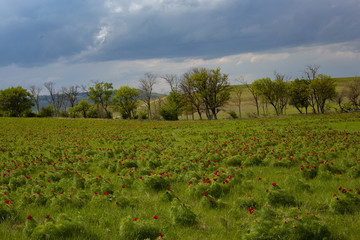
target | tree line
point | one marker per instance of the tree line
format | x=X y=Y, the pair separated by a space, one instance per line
x=199 y=91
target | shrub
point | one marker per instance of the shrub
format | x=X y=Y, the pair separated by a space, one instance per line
x=309 y=173
x=234 y=161
x=346 y=203
x=293 y=224
x=156 y=182
x=137 y=230
x=182 y=215
x=233 y=114
x=280 y=197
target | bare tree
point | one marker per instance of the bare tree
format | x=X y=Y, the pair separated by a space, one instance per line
x=56 y=97
x=172 y=80
x=71 y=94
x=35 y=92
x=146 y=86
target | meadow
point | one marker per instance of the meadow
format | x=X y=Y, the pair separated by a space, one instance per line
x=290 y=177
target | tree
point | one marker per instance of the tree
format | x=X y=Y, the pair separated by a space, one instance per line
x=299 y=93
x=310 y=73
x=174 y=102
x=191 y=97
x=275 y=92
x=126 y=100
x=15 y=101
x=254 y=89
x=56 y=98
x=101 y=94
x=82 y=107
x=323 y=89
x=146 y=86
x=35 y=92
x=238 y=93
x=353 y=93
x=213 y=88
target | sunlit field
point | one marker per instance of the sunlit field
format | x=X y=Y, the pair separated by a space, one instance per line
x=268 y=178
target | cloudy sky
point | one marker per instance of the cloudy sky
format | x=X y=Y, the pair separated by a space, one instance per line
x=79 y=41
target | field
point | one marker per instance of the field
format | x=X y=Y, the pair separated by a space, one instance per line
x=269 y=178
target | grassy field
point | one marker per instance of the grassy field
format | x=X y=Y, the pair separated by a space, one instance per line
x=268 y=178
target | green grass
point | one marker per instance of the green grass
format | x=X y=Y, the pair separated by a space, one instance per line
x=191 y=158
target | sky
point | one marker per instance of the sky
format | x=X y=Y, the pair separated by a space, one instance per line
x=78 y=42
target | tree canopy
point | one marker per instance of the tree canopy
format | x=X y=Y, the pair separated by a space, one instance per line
x=15 y=101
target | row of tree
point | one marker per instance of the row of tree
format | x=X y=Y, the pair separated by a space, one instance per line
x=199 y=91
x=312 y=91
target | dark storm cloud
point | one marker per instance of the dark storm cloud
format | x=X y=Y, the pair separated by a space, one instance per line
x=40 y=32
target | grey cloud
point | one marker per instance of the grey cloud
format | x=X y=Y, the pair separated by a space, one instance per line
x=39 y=33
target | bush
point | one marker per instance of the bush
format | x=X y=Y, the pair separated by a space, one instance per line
x=233 y=114
x=182 y=215
x=47 y=111
x=293 y=224
x=137 y=230
x=156 y=182
x=234 y=161
x=280 y=197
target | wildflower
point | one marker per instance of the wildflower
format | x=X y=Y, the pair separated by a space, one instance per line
x=29 y=217
x=155 y=217
x=47 y=216
x=274 y=184
x=205 y=194
x=123 y=186
x=251 y=210
x=135 y=219
x=160 y=236
x=105 y=193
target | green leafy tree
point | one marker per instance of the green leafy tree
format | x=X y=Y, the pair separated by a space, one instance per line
x=299 y=93
x=126 y=101
x=101 y=94
x=213 y=88
x=324 y=89
x=15 y=101
x=274 y=92
x=83 y=107
x=173 y=106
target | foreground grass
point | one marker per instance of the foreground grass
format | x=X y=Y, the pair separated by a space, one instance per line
x=97 y=179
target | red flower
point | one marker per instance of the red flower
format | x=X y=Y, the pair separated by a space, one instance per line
x=123 y=186
x=260 y=178
x=205 y=194
x=274 y=184
x=135 y=219
x=29 y=217
x=117 y=203
x=95 y=192
x=155 y=217
x=251 y=210
x=48 y=216
x=105 y=193
x=190 y=183
x=344 y=190
x=160 y=236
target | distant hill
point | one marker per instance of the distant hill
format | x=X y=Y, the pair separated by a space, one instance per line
x=44 y=100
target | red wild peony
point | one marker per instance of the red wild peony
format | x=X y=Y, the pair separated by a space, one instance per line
x=251 y=210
